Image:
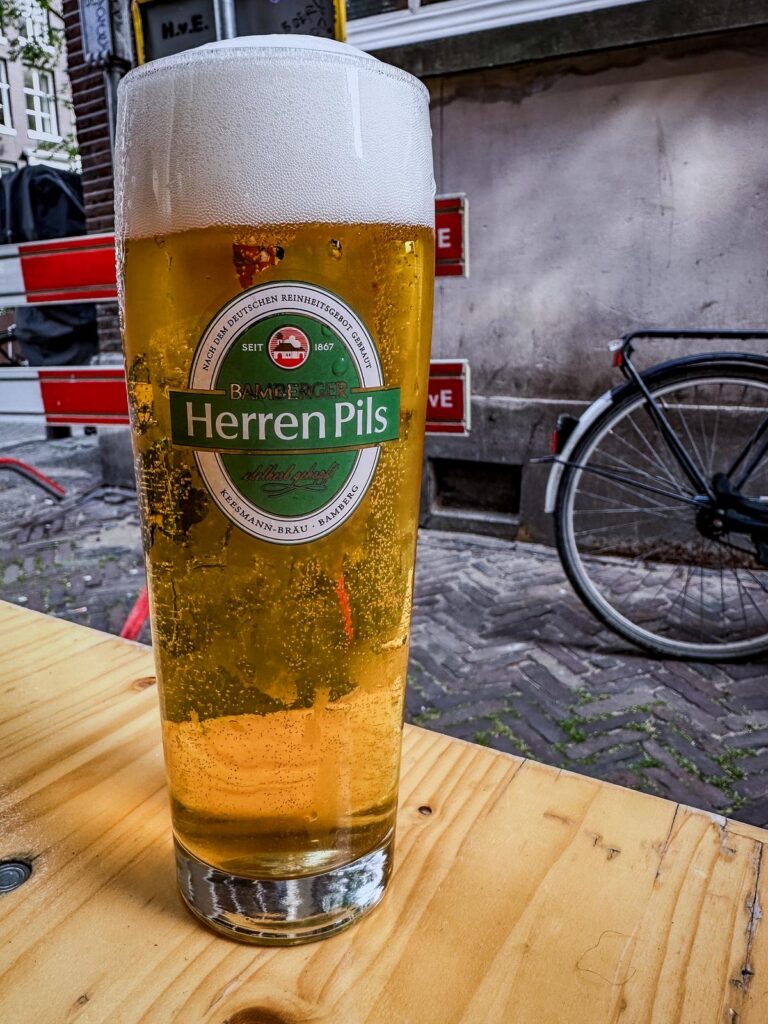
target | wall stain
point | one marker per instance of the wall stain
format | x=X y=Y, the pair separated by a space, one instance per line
x=517 y=82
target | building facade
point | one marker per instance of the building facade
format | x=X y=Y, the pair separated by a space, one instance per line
x=36 y=118
x=612 y=156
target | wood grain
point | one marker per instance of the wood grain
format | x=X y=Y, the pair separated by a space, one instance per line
x=527 y=896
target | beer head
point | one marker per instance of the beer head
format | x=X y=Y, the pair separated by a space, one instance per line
x=271 y=130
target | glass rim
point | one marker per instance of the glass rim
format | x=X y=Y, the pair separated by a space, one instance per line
x=273 y=53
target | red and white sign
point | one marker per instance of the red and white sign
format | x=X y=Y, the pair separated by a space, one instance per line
x=96 y=395
x=451 y=236
x=449 y=406
x=82 y=269
x=64 y=395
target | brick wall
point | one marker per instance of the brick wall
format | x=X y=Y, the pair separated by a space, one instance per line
x=89 y=98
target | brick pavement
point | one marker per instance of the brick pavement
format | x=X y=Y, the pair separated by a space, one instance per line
x=502 y=651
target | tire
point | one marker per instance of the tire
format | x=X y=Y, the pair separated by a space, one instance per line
x=708 y=596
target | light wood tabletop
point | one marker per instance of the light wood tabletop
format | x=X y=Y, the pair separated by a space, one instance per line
x=527 y=896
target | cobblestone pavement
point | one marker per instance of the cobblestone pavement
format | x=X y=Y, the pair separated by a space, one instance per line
x=80 y=558
x=502 y=651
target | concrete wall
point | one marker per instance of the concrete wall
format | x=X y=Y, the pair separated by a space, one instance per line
x=606 y=193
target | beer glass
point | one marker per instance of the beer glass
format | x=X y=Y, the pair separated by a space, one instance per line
x=274 y=218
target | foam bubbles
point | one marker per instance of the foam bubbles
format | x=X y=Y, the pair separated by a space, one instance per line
x=271 y=130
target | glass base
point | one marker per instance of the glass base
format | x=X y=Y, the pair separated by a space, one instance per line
x=283 y=912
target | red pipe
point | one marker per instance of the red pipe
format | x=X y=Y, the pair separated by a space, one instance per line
x=34 y=476
x=136 y=617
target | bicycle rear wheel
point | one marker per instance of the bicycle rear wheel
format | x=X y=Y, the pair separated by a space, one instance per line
x=631 y=531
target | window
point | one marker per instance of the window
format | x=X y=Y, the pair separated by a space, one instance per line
x=6 y=124
x=35 y=22
x=40 y=95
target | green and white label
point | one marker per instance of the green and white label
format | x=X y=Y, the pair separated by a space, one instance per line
x=286 y=411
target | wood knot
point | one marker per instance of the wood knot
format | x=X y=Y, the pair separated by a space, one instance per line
x=143 y=683
x=255 y=1015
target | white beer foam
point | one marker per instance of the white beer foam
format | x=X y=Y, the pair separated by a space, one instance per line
x=271 y=130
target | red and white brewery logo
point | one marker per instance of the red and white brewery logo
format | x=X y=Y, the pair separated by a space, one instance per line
x=288 y=348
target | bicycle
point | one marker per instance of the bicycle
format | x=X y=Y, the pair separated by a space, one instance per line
x=8 y=346
x=660 y=501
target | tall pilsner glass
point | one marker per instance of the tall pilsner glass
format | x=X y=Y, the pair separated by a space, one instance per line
x=275 y=248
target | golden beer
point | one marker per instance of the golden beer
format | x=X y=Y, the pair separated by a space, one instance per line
x=277 y=376
x=283 y=670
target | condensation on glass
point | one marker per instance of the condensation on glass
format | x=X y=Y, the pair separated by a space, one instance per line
x=275 y=246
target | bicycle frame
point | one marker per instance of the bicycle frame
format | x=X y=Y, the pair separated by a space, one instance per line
x=623 y=356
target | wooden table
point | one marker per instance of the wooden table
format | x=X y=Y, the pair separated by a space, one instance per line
x=528 y=895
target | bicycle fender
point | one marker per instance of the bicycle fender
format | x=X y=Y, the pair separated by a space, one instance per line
x=586 y=420
x=698 y=359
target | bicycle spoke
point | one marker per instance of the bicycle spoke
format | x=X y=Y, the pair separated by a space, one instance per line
x=606 y=473
x=608 y=526
x=701 y=599
x=652 y=510
x=670 y=512
x=755 y=461
x=664 y=583
x=758 y=581
x=698 y=460
x=659 y=511
x=753 y=473
x=741 y=599
x=633 y=469
x=755 y=605
x=653 y=462
x=683 y=596
x=712 y=461
x=707 y=460
x=669 y=471
x=619 y=501
x=674 y=477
